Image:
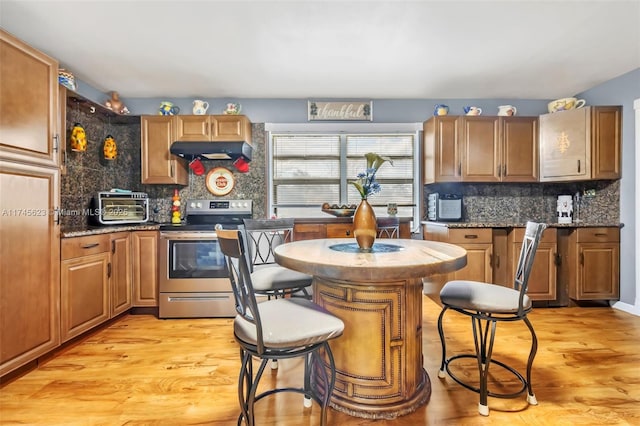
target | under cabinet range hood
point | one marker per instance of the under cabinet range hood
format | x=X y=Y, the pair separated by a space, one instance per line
x=212 y=150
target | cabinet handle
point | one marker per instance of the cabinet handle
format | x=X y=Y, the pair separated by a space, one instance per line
x=471 y=236
x=171 y=171
x=113 y=246
x=459 y=169
x=348 y=233
x=56 y=139
x=497 y=260
x=557 y=259
x=498 y=171
x=504 y=170
x=578 y=166
x=109 y=270
x=599 y=234
x=581 y=258
x=88 y=246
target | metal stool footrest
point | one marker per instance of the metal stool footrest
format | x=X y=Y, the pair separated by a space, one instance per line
x=510 y=369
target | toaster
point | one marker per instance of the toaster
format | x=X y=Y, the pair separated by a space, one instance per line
x=444 y=207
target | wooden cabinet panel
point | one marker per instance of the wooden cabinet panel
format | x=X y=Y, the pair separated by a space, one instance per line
x=591 y=267
x=29 y=263
x=84 y=294
x=193 y=128
x=480 y=149
x=309 y=231
x=500 y=258
x=84 y=246
x=520 y=149
x=159 y=166
x=581 y=144
x=339 y=230
x=442 y=162
x=145 y=268
x=120 y=285
x=231 y=128
x=29 y=129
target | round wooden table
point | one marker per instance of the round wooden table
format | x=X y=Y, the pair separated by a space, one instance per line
x=378 y=295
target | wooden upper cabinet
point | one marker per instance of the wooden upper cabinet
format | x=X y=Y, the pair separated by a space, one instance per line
x=28 y=103
x=581 y=144
x=159 y=166
x=223 y=128
x=480 y=145
x=606 y=140
x=480 y=149
x=519 y=149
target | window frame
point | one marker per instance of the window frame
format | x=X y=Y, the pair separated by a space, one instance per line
x=345 y=129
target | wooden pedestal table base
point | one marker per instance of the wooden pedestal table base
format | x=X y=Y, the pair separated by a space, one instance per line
x=378 y=295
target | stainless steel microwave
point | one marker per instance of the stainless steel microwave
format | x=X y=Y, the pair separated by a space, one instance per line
x=116 y=208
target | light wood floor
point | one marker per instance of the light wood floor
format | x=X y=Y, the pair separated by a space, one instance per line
x=145 y=371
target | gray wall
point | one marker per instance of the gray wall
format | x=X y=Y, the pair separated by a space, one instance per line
x=623 y=91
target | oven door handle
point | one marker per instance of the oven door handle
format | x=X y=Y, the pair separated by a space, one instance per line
x=186 y=235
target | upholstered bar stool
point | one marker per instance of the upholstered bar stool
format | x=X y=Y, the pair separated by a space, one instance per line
x=486 y=305
x=277 y=329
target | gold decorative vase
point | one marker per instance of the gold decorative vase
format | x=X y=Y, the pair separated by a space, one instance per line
x=365 y=226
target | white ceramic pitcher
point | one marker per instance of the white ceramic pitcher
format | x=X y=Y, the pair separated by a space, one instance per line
x=507 y=110
x=200 y=107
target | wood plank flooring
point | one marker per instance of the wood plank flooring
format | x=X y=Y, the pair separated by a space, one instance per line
x=145 y=371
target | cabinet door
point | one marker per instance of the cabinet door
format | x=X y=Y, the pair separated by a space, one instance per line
x=598 y=271
x=29 y=263
x=231 y=128
x=565 y=153
x=84 y=294
x=159 y=166
x=120 y=273
x=28 y=103
x=448 y=161
x=193 y=128
x=478 y=243
x=606 y=142
x=519 y=149
x=339 y=230
x=543 y=277
x=145 y=268
x=480 y=144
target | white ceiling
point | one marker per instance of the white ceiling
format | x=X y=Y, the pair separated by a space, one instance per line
x=335 y=49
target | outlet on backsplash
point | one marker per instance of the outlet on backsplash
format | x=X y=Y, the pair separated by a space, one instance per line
x=590 y=193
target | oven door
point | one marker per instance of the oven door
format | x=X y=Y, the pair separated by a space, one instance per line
x=192 y=262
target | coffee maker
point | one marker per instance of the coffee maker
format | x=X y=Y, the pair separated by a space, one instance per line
x=565 y=208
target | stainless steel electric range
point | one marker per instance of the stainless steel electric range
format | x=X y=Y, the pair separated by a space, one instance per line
x=193 y=276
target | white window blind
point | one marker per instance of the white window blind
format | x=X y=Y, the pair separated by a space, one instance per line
x=311 y=169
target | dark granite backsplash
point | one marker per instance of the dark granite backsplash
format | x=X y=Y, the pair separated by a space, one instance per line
x=519 y=202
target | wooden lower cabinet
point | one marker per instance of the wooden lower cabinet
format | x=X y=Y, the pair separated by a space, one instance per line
x=84 y=286
x=542 y=280
x=144 y=249
x=120 y=287
x=591 y=263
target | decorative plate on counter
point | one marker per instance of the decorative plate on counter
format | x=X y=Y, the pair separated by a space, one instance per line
x=220 y=181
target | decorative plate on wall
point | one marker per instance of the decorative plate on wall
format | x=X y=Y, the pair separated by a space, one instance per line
x=220 y=181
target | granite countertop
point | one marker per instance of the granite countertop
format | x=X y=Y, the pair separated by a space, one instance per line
x=520 y=224
x=82 y=231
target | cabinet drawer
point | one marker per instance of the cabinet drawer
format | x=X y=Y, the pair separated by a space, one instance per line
x=82 y=246
x=470 y=236
x=548 y=236
x=595 y=235
x=340 y=230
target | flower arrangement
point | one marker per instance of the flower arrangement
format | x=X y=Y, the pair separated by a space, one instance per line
x=366 y=183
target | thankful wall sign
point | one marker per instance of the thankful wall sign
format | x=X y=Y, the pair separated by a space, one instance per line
x=340 y=111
